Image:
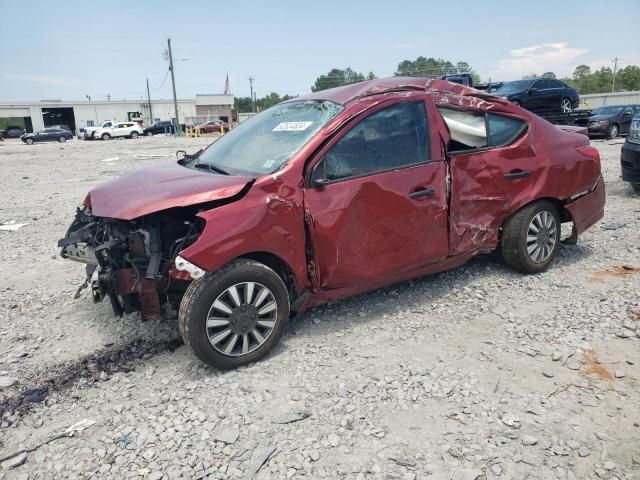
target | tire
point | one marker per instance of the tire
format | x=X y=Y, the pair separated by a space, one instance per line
x=134 y=135
x=612 y=131
x=565 y=105
x=149 y=134
x=105 y=136
x=516 y=103
x=198 y=305
x=518 y=244
x=29 y=141
x=62 y=139
x=636 y=187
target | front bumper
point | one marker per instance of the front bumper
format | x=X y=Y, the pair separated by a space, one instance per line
x=598 y=129
x=630 y=162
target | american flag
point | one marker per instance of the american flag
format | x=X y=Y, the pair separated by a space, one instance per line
x=226 y=85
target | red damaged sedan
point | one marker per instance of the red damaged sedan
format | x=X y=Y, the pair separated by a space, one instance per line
x=329 y=195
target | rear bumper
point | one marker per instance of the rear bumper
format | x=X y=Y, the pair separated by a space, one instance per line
x=630 y=162
x=588 y=209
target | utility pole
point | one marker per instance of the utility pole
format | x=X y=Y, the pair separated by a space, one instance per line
x=613 y=80
x=253 y=101
x=149 y=100
x=173 y=82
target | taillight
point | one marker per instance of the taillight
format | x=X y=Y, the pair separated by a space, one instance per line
x=590 y=152
x=87 y=201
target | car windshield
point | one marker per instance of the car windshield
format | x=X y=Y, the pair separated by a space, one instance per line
x=264 y=143
x=512 y=87
x=607 y=110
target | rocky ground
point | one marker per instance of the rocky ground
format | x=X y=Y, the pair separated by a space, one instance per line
x=474 y=374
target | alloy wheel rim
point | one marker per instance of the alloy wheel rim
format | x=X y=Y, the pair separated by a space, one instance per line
x=614 y=130
x=241 y=318
x=541 y=237
x=565 y=106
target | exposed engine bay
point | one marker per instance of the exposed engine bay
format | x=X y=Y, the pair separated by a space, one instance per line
x=130 y=262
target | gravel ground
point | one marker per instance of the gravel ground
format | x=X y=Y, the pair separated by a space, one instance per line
x=476 y=373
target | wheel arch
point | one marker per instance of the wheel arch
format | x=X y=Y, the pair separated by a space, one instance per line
x=565 y=215
x=278 y=265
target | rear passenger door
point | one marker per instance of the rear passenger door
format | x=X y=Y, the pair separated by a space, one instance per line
x=492 y=168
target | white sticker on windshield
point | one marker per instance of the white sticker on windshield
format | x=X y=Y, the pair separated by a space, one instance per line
x=292 y=126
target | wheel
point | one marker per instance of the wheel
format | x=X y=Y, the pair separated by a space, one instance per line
x=516 y=102
x=565 y=105
x=105 y=136
x=636 y=187
x=236 y=315
x=531 y=237
x=612 y=131
x=29 y=141
x=134 y=135
x=62 y=139
x=149 y=134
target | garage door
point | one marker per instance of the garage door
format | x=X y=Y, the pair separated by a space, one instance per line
x=14 y=112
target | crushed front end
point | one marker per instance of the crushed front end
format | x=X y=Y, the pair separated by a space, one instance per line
x=130 y=262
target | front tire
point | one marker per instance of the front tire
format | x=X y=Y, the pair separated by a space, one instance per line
x=134 y=135
x=149 y=134
x=235 y=315
x=105 y=136
x=29 y=141
x=531 y=237
x=62 y=139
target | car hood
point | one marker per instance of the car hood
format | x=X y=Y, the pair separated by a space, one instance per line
x=163 y=186
x=597 y=118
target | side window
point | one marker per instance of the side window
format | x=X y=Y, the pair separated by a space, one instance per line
x=394 y=137
x=468 y=130
x=539 y=84
x=90 y=123
x=504 y=130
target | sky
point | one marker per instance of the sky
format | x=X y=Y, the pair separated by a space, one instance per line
x=68 y=50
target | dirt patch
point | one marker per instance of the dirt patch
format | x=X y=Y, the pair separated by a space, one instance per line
x=95 y=367
x=593 y=367
x=615 y=271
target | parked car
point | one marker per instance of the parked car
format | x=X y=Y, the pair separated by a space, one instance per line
x=14 y=132
x=630 y=155
x=540 y=95
x=89 y=132
x=610 y=121
x=330 y=195
x=119 y=130
x=214 y=126
x=47 y=135
x=157 y=128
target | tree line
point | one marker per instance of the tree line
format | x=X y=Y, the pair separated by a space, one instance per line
x=583 y=79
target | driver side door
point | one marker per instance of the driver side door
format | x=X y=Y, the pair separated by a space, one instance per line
x=376 y=201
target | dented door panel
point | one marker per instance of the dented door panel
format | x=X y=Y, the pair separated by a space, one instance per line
x=369 y=229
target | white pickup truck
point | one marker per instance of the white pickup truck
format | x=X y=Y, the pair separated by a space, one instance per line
x=89 y=132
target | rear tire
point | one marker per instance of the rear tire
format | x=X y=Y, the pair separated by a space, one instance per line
x=531 y=237
x=62 y=139
x=612 y=131
x=565 y=105
x=134 y=135
x=636 y=187
x=239 y=333
x=29 y=141
x=149 y=134
x=106 y=136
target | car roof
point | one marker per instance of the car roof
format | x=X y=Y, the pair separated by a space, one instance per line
x=349 y=93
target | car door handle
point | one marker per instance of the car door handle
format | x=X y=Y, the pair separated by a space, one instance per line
x=513 y=174
x=427 y=192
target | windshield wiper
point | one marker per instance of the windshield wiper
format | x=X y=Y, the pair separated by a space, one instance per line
x=211 y=168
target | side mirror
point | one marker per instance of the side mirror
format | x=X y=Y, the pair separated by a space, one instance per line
x=320 y=183
x=178 y=152
x=627 y=114
x=533 y=90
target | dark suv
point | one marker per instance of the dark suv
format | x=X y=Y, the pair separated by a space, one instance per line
x=610 y=121
x=159 y=127
x=630 y=155
x=540 y=95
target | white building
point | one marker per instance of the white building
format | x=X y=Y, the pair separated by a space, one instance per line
x=79 y=114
